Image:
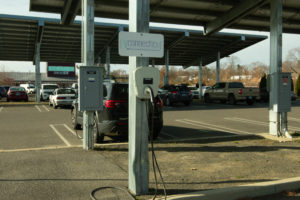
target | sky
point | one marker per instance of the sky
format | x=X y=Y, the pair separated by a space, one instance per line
x=259 y=52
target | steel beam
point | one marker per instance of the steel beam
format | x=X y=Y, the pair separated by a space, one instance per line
x=236 y=13
x=70 y=10
x=39 y=37
x=110 y=41
x=166 y=79
x=200 y=79
x=218 y=67
x=275 y=64
x=37 y=73
x=177 y=41
x=138 y=162
x=195 y=62
x=87 y=47
x=107 y=66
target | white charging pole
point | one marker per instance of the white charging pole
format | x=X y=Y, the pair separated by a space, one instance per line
x=138 y=162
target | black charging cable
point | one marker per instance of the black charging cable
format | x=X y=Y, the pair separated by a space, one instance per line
x=154 y=160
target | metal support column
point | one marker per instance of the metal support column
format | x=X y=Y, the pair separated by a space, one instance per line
x=200 y=79
x=37 y=73
x=166 y=79
x=275 y=64
x=87 y=47
x=138 y=162
x=107 y=68
x=218 y=67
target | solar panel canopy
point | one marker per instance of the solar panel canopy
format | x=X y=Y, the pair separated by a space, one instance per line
x=254 y=14
x=62 y=43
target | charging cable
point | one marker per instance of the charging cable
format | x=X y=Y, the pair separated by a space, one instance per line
x=151 y=131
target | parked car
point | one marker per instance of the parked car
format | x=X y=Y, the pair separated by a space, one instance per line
x=75 y=87
x=231 y=92
x=204 y=88
x=113 y=119
x=171 y=94
x=62 y=97
x=47 y=89
x=195 y=92
x=17 y=94
x=3 y=91
x=30 y=88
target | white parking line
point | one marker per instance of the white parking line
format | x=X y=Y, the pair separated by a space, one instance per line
x=249 y=121
x=38 y=148
x=59 y=135
x=46 y=108
x=38 y=108
x=69 y=129
x=213 y=127
x=1 y=108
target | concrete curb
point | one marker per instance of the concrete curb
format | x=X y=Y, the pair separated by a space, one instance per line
x=243 y=191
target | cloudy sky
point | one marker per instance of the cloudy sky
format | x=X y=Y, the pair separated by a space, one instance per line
x=256 y=53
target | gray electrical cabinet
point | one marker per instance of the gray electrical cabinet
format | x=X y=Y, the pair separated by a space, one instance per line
x=284 y=90
x=90 y=88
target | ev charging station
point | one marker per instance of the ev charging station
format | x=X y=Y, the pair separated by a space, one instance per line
x=139 y=45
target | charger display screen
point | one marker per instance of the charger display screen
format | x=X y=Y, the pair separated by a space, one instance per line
x=148 y=81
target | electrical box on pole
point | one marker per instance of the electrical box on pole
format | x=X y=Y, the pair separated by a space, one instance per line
x=284 y=90
x=90 y=88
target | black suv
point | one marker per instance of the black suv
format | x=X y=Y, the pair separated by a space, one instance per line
x=175 y=94
x=113 y=119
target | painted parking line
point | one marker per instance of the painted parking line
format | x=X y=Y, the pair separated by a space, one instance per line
x=60 y=135
x=38 y=108
x=1 y=108
x=46 y=108
x=213 y=127
x=69 y=129
x=39 y=148
x=249 y=121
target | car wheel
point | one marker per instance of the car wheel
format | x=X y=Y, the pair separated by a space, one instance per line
x=98 y=137
x=50 y=104
x=231 y=100
x=42 y=98
x=207 y=98
x=250 y=102
x=54 y=106
x=76 y=126
x=7 y=99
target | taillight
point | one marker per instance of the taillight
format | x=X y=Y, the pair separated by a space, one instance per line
x=113 y=103
x=60 y=97
x=240 y=91
x=174 y=92
x=159 y=102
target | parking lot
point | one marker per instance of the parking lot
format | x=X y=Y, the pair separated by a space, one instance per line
x=211 y=145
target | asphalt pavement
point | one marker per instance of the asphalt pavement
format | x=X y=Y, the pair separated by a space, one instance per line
x=201 y=147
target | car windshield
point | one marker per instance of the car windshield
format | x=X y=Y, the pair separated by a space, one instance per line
x=65 y=91
x=17 y=89
x=120 y=91
x=31 y=86
x=193 y=88
x=50 y=87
